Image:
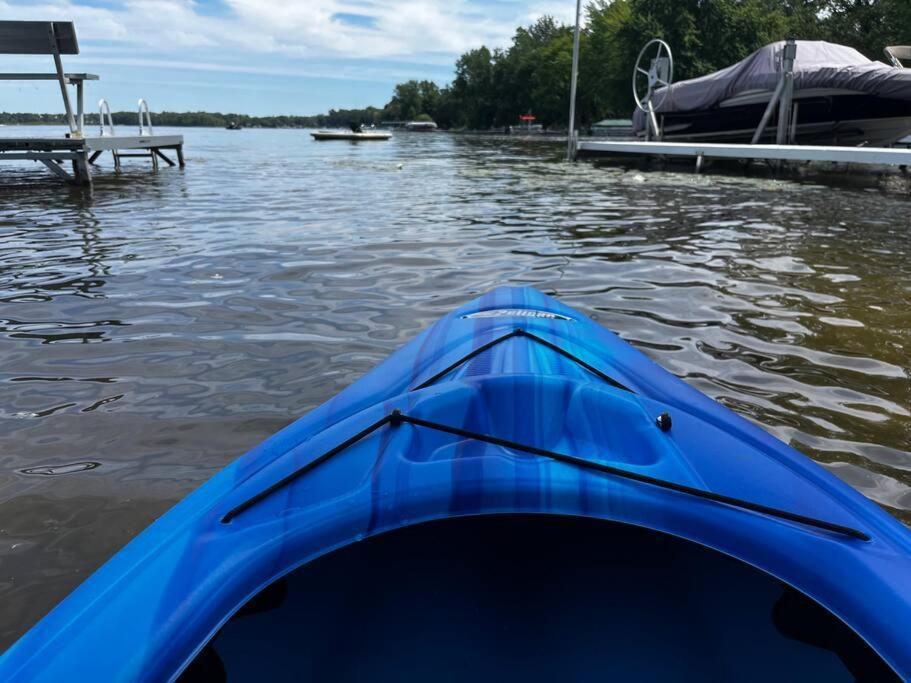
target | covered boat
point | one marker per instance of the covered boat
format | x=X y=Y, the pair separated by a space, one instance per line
x=840 y=98
x=516 y=494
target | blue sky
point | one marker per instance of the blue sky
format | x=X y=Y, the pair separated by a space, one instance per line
x=261 y=56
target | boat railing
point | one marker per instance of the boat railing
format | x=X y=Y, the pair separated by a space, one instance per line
x=145 y=118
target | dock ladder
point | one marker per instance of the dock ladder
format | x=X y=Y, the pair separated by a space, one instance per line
x=146 y=147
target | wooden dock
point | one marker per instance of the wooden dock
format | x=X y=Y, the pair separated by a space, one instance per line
x=83 y=152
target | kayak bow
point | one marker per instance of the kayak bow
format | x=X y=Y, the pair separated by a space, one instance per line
x=516 y=493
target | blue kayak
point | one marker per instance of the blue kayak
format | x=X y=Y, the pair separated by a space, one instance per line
x=516 y=494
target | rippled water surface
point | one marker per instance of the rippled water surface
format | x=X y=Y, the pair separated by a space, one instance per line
x=155 y=331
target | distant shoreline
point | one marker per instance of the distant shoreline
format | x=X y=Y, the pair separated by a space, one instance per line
x=185 y=120
x=165 y=122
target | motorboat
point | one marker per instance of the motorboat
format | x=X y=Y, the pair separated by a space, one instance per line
x=840 y=97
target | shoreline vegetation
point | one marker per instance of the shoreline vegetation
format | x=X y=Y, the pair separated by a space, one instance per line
x=492 y=88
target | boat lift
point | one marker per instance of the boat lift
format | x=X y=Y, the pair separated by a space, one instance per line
x=658 y=77
x=58 y=38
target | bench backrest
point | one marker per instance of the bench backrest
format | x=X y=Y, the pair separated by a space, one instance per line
x=34 y=38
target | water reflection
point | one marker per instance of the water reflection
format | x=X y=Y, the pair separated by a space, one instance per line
x=57 y=470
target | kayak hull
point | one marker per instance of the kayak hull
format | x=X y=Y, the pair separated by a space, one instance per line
x=314 y=488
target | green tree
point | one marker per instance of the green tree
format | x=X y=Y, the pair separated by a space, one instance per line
x=604 y=69
x=406 y=102
x=551 y=80
x=429 y=93
x=868 y=25
x=472 y=89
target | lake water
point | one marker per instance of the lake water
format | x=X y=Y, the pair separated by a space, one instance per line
x=152 y=332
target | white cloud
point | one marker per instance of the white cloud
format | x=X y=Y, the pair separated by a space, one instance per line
x=295 y=29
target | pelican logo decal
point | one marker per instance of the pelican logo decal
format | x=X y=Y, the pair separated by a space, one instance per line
x=516 y=313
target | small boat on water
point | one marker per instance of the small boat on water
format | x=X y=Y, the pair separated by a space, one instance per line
x=840 y=96
x=516 y=494
x=234 y=125
x=351 y=135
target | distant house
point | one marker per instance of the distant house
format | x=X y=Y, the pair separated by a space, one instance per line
x=614 y=128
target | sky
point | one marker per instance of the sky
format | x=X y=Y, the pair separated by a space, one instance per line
x=261 y=57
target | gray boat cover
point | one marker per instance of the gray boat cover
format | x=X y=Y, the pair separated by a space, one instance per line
x=818 y=65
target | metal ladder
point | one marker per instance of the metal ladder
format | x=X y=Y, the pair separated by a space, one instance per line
x=106 y=129
x=145 y=128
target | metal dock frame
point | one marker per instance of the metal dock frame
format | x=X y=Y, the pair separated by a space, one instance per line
x=56 y=38
x=82 y=152
x=875 y=156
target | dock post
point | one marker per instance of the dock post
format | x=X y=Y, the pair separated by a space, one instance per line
x=82 y=171
x=787 y=93
x=180 y=160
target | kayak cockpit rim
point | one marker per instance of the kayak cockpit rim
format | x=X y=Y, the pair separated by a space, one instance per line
x=397 y=418
x=484 y=517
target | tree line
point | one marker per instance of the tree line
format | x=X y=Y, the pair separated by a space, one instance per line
x=335 y=117
x=493 y=87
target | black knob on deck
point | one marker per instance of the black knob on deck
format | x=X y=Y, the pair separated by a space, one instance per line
x=663 y=421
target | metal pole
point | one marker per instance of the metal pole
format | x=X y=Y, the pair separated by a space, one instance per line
x=769 y=110
x=792 y=135
x=571 y=138
x=80 y=109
